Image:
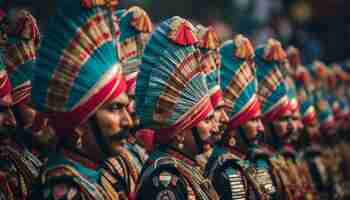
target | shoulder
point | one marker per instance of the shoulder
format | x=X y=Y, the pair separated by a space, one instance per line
x=23 y=157
x=19 y=170
x=65 y=181
x=115 y=165
x=57 y=182
x=222 y=162
x=63 y=189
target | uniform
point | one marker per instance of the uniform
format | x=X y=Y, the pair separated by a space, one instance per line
x=72 y=81
x=20 y=163
x=237 y=172
x=126 y=167
x=309 y=119
x=170 y=175
x=20 y=170
x=128 y=158
x=315 y=157
x=271 y=60
x=71 y=176
x=172 y=96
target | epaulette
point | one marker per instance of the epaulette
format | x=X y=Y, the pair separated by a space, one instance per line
x=220 y=161
x=101 y=190
x=201 y=186
x=65 y=171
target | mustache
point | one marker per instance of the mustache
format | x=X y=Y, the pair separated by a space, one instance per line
x=222 y=128
x=123 y=134
x=292 y=135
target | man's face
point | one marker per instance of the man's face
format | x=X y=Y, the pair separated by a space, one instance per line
x=113 y=116
x=312 y=129
x=252 y=127
x=7 y=118
x=297 y=125
x=220 y=123
x=284 y=126
x=28 y=115
x=205 y=128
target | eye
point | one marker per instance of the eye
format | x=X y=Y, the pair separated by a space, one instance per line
x=209 y=119
x=115 y=107
x=312 y=125
x=256 y=119
x=284 y=119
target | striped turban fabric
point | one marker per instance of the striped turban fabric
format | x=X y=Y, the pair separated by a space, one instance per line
x=135 y=27
x=211 y=61
x=171 y=90
x=238 y=81
x=78 y=68
x=272 y=90
x=21 y=54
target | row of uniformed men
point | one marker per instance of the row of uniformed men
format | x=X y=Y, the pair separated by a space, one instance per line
x=168 y=113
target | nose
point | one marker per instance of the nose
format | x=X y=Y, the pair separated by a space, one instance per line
x=215 y=126
x=126 y=121
x=223 y=116
x=290 y=124
x=9 y=118
x=260 y=126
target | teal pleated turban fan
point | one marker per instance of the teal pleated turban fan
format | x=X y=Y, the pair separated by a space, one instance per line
x=209 y=45
x=171 y=90
x=238 y=80
x=21 y=54
x=303 y=84
x=319 y=73
x=271 y=79
x=292 y=92
x=135 y=27
x=294 y=65
x=324 y=113
x=78 y=68
x=307 y=112
x=5 y=84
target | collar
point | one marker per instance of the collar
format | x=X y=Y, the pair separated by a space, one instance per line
x=79 y=158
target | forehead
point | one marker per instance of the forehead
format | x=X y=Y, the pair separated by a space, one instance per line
x=121 y=99
x=287 y=113
x=296 y=113
x=258 y=113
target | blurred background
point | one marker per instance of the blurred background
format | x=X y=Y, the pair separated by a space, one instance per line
x=320 y=28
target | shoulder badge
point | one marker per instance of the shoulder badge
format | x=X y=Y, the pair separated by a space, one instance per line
x=165 y=179
x=166 y=195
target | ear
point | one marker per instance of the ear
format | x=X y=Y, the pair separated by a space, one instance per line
x=189 y=142
x=82 y=129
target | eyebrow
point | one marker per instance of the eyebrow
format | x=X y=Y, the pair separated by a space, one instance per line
x=210 y=116
x=108 y=104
